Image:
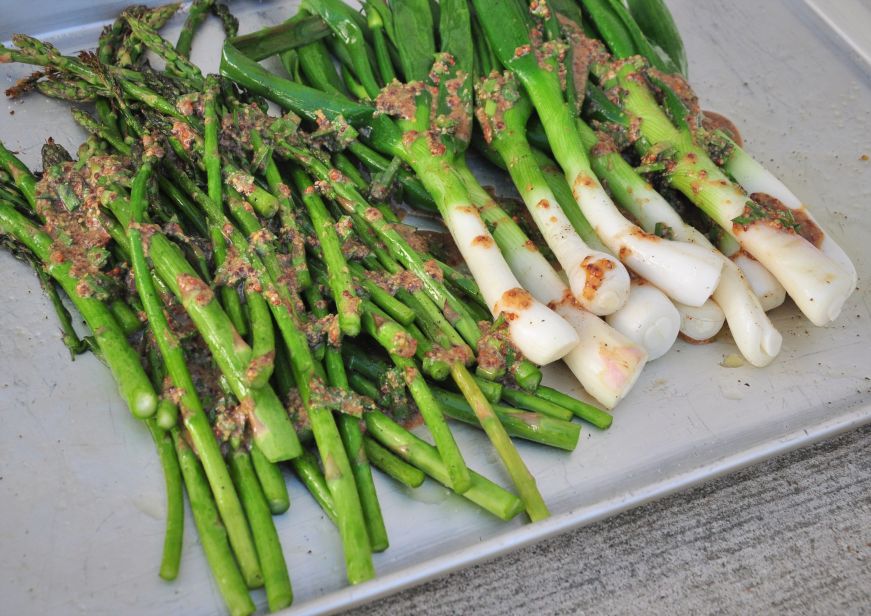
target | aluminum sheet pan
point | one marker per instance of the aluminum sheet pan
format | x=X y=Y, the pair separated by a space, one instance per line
x=81 y=492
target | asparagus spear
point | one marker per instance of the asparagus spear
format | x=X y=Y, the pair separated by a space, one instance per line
x=272 y=481
x=172 y=542
x=421 y=454
x=386 y=462
x=214 y=181
x=338 y=272
x=132 y=381
x=275 y=577
x=212 y=534
x=400 y=346
x=197 y=13
x=352 y=438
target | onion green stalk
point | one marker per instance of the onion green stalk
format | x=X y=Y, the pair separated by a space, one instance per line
x=753 y=332
x=605 y=362
x=295 y=33
x=685 y=272
x=598 y=281
x=655 y=21
x=785 y=244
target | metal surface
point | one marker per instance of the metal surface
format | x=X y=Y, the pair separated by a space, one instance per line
x=81 y=494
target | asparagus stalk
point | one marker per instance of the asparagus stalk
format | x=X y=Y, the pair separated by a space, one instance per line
x=520 y=475
x=400 y=345
x=214 y=181
x=24 y=180
x=133 y=383
x=531 y=402
x=397 y=310
x=482 y=492
x=275 y=577
x=213 y=537
x=176 y=61
x=271 y=481
x=352 y=438
x=172 y=542
x=194 y=417
x=309 y=473
x=338 y=272
x=272 y=430
x=392 y=466
x=285 y=211
x=197 y=13
x=527 y=425
x=587 y=412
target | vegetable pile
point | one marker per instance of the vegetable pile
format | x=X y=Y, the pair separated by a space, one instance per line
x=248 y=279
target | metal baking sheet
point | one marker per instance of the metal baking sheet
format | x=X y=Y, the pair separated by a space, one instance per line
x=81 y=493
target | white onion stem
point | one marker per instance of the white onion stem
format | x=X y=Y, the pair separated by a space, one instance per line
x=700 y=323
x=540 y=334
x=649 y=319
x=605 y=362
x=755 y=178
x=686 y=273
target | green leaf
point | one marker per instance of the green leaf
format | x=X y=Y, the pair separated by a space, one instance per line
x=295 y=32
x=609 y=24
x=455 y=32
x=657 y=24
x=416 y=44
x=349 y=27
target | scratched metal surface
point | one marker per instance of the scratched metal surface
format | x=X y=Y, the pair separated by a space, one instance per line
x=81 y=494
